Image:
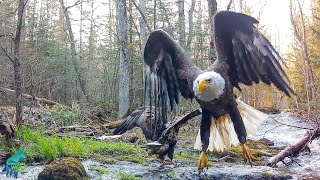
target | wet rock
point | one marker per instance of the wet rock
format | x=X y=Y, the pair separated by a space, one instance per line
x=269 y=110
x=267 y=141
x=64 y=169
x=133 y=139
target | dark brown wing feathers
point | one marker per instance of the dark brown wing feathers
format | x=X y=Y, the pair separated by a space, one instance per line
x=143 y=117
x=171 y=65
x=250 y=56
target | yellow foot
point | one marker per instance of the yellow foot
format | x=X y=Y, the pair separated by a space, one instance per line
x=202 y=161
x=248 y=157
x=165 y=162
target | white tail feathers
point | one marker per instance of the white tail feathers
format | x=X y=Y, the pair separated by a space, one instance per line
x=222 y=133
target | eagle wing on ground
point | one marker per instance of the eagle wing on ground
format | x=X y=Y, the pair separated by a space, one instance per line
x=142 y=117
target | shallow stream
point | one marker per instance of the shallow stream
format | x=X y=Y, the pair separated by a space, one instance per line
x=305 y=166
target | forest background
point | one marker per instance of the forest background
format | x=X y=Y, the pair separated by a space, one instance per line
x=88 y=53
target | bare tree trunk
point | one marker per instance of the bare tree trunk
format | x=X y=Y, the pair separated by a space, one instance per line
x=193 y=2
x=309 y=78
x=124 y=76
x=154 y=14
x=16 y=61
x=181 y=23
x=76 y=65
x=143 y=35
x=212 y=4
x=131 y=90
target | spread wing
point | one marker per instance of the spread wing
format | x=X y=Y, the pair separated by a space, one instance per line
x=248 y=54
x=142 y=117
x=169 y=73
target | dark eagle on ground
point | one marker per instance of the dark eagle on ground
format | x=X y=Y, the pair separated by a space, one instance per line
x=244 y=56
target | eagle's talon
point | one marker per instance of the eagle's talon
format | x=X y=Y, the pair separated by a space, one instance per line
x=248 y=157
x=202 y=162
x=170 y=162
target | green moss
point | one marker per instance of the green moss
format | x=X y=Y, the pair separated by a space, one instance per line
x=66 y=168
x=255 y=148
x=127 y=176
x=101 y=170
x=132 y=159
x=170 y=174
x=266 y=174
x=105 y=160
x=210 y=164
x=186 y=155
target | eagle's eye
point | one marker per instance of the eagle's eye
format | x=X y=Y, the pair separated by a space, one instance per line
x=209 y=80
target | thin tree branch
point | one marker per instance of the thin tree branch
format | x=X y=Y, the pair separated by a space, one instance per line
x=294 y=26
x=291 y=125
x=75 y=4
x=142 y=14
x=229 y=5
x=7 y=54
x=28 y=96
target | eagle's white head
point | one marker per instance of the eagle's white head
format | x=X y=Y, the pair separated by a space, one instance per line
x=208 y=86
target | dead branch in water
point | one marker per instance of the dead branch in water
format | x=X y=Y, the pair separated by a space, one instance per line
x=293 y=150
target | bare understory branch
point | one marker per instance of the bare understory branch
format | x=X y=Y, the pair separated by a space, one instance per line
x=7 y=54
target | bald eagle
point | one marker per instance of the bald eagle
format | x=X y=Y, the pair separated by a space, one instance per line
x=244 y=56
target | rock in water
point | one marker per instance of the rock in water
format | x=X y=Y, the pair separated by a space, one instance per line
x=64 y=169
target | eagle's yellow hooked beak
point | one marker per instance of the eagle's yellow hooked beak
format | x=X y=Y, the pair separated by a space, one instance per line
x=203 y=85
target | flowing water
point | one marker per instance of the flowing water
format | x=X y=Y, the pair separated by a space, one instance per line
x=305 y=166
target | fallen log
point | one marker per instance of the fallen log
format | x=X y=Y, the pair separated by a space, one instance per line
x=293 y=150
x=28 y=97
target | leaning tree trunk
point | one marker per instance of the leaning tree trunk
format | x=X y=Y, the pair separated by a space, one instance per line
x=124 y=75
x=76 y=65
x=16 y=62
x=212 y=5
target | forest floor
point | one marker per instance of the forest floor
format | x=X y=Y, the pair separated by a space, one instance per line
x=53 y=133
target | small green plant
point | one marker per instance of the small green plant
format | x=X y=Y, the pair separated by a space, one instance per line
x=101 y=170
x=65 y=115
x=132 y=159
x=266 y=174
x=38 y=146
x=170 y=174
x=127 y=176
